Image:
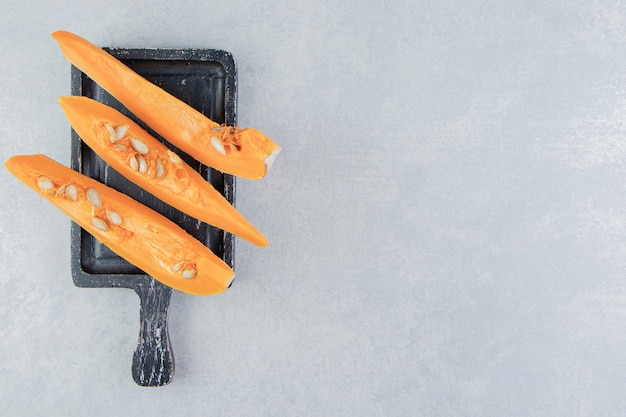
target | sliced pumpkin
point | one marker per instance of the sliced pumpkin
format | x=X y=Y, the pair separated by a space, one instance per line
x=143 y=237
x=147 y=162
x=245 y=153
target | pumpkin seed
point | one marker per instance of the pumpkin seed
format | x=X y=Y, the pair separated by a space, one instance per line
x=61 y=190
x=176 y=267
x=143 y=165
x=134 y=165
x=160 y=169
x=99 y=224
x=139 y=145
x=72 y=192
x=112 y=134
x=44 y=183
x=217 y=145
x=189 y=273
x=120 y=131
x=114 y=217
x=93 y=196
x=120 y=146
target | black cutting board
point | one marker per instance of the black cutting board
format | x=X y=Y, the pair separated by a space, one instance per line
x=206 y=80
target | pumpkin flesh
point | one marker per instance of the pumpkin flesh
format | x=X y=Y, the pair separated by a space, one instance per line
x=142 y=236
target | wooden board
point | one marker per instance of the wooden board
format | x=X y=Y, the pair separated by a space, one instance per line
x=205 y=79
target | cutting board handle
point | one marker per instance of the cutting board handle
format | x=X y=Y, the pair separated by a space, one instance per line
x=153 y=360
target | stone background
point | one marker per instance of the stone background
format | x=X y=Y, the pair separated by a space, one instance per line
x=447 y=220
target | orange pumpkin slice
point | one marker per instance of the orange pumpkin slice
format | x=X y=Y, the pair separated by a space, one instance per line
x=245 y=153
x=143 y=237
x=147 y=162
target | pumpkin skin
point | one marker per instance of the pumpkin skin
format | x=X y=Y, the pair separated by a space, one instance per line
x=245 y=153
x=142 y=236
x=147 y=162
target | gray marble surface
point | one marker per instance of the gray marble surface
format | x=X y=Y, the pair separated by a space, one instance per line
x=447 y=220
